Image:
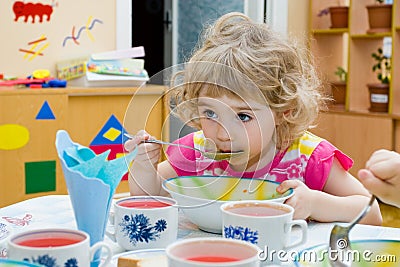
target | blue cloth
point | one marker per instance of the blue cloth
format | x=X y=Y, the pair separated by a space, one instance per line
x=91 y=181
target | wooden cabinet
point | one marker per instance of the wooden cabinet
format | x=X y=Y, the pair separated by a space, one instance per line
x=352 y=127
x=355 y=134
x=29 y=120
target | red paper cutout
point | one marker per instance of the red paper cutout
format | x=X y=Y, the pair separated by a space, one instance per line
x=32 y=10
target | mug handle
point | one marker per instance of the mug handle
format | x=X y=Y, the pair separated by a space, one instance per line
x=111 y=235
x=100 y=245
x=303 y=226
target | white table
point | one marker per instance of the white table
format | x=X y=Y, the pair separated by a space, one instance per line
x=55 y=211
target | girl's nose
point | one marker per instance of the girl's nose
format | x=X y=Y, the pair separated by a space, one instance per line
x=223 y=133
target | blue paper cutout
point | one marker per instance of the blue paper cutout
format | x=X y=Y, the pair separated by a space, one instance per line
x=45 y=112
x=111 y=123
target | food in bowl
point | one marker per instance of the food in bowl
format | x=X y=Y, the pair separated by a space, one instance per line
x=200 y=197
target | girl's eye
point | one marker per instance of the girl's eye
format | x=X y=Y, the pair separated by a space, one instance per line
x=210 y=114
x=244 y=117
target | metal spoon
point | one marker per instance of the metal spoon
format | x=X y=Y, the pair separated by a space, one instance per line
x=208 y=154
x=339 y=239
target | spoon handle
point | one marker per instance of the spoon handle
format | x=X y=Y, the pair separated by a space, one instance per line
x=170 y=144
x=363 y=212
x=156 y=141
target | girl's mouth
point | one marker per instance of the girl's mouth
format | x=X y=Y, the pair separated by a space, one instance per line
x=228 y=151
x=212 y=147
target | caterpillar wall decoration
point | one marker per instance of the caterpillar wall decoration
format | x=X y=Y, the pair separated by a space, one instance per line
x=32 y=10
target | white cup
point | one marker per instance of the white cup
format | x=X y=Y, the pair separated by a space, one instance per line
x=5 y=233
x=144 y=222
x=269 y=225
x=212 y=251
x=55 y=247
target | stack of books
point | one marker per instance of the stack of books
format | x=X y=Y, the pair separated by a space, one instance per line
x=120 y=68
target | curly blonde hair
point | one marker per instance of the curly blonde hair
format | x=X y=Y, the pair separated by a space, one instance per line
x=235 y=47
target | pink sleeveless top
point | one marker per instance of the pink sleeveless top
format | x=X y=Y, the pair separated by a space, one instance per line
x=309 y=159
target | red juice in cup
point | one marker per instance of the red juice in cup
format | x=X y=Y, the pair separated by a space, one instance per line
x=213 y=259
x=49 y=242
x=262 y=210
x=143 y=203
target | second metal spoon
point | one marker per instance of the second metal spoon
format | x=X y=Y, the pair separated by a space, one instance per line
x=339 y=239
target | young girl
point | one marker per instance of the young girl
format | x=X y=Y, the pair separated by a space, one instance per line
x=248 y=90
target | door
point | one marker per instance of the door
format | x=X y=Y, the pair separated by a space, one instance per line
x=169 y=30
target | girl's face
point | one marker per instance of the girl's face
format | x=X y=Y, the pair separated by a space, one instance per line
x=238 y=125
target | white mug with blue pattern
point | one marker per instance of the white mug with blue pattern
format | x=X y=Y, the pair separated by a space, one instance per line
x=269 y=225
x=144 y=222
x=55 y=247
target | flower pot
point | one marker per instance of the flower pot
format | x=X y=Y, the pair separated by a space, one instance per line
x=339 y=16
x=379 y=97
x=338 y=91
x=379 y=18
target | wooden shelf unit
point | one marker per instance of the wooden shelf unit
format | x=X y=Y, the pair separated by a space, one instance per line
x=351 y=49
x=352 y=127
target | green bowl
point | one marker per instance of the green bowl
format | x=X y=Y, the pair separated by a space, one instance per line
x=12 y=263
x=200 y=197
x=365 y=253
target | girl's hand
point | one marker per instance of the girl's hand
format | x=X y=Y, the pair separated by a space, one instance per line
x=148 y=154
x=301 y=200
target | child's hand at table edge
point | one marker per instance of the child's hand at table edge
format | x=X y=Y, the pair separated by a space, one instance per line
x=301 y=199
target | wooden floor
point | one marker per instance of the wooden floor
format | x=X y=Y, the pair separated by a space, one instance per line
x=391 y=215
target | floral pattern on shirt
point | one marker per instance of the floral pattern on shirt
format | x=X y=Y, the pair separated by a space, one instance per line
x=291 y=169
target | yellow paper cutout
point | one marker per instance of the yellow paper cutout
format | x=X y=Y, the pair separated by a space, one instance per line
x=119 y=155
x=13 y=136
x=112 y=134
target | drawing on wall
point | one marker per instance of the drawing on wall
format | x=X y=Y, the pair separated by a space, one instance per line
x=13 y=136
x=32 y=10
x=36 y=49
x=87 y=28
x=111 y=137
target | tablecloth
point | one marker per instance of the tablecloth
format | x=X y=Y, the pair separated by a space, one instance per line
x=55 y=211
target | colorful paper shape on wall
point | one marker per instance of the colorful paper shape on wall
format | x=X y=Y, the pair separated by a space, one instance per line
x=45 y=112
x=111 y=137
x=112 y=133
x=32 y=10
x=36 y=48
x=13 y=136
x=89 y=25
x=40 y=176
